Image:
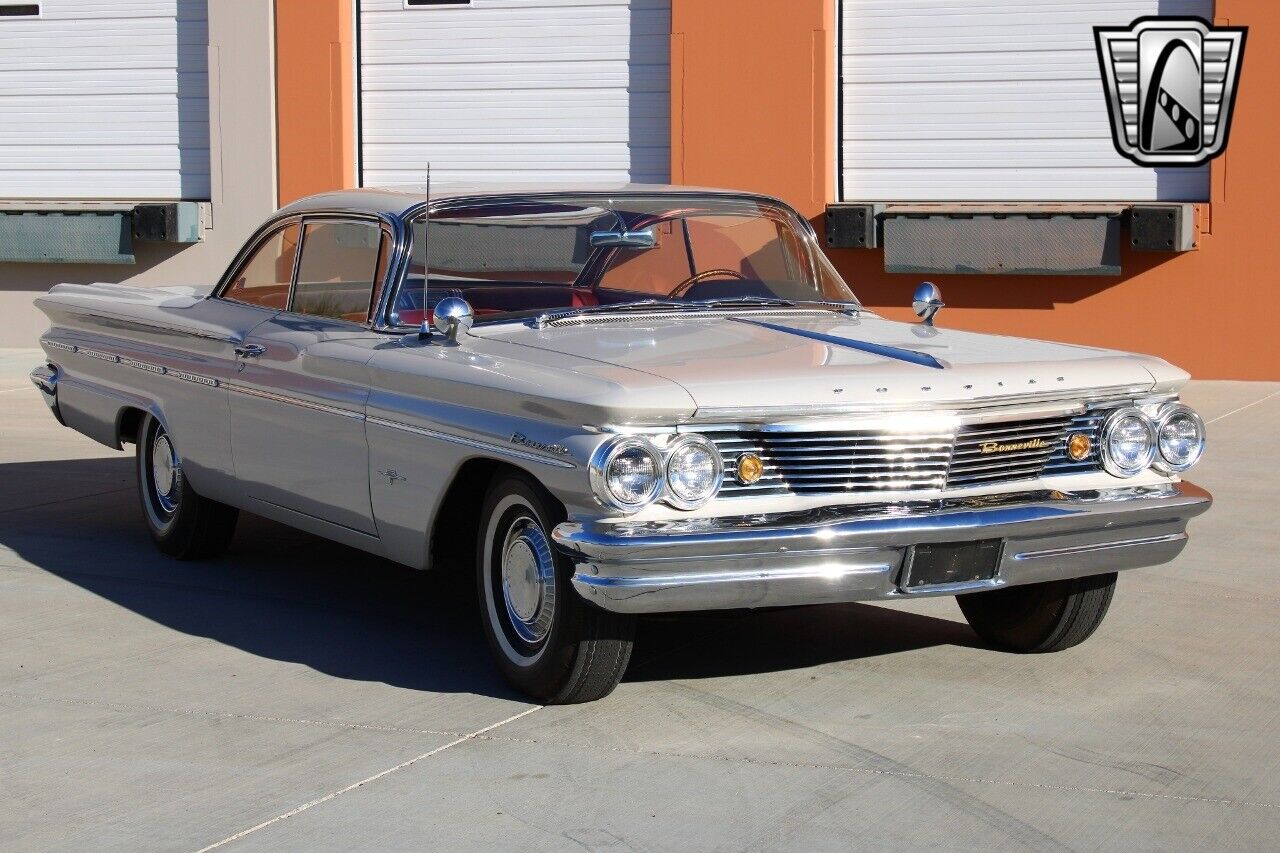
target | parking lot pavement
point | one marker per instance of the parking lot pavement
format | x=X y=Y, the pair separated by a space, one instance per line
x=153 y=704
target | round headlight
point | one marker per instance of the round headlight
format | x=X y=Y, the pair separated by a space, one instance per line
x=694 y=472
x=626 y=473
x=1128 y=443
x=1180 y=438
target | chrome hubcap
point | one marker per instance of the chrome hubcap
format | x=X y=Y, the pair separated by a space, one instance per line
x=528 y=580
x=164 y=473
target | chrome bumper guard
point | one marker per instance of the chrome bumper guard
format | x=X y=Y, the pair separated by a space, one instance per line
x=858 y=553
x=45 y=377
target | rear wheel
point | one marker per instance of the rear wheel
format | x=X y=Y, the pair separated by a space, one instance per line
x=548 y=642
x=181 y=522
x=1040 y=617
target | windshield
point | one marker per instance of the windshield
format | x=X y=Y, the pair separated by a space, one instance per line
x=518 y=257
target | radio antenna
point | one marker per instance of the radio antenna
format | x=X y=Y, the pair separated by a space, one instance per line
x=424 y=331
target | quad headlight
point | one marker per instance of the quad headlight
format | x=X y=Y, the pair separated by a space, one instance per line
x=626 y=473
x=1128 y=442
x=1179 y=438
x=630 y=472
x=694 y=472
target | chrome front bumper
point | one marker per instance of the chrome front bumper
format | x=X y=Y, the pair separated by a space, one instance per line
x=859 y=553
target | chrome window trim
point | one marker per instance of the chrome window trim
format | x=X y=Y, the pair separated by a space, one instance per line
x=405 y=218
x=330 y=216
x=250 y=249
x=392 y=225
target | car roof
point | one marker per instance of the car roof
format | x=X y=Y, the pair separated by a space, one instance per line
x=394 y=201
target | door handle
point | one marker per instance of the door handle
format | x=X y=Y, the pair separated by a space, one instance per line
x=249 y=350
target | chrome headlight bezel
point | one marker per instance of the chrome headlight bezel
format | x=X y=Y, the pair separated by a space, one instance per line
x=680 y=443
x=1167 y=413
x=1109 y=464
x=607 y=453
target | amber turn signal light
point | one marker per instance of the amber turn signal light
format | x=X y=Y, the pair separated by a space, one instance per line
x=1078 y=447
x=749 y=469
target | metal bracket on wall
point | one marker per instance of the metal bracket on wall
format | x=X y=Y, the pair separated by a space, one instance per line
x=175 y=222
x=1162 y=227
x=851 y=226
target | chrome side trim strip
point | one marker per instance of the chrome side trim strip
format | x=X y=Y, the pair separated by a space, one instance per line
x=295 y=401
x=475 y=444
x=115 y=358
x=1100 y=546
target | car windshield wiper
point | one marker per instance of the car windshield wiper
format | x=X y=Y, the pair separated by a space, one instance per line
x=700 y=305
x=638 y=305
x=773 y=302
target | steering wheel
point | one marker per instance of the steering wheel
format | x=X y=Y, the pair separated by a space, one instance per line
x=683 y=287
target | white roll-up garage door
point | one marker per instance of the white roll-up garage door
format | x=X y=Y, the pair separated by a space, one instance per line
x=104 y=99
x=515 y=91
x=978 y=100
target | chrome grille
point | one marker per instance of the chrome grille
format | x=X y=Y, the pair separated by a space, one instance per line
x=810 y=463
x=1090 y=423
x=999 y=452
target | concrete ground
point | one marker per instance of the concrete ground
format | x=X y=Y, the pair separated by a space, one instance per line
x=298 y=695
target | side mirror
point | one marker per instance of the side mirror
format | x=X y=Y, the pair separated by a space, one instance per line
x=646 y=239
x=453 y=316
x=927 y=301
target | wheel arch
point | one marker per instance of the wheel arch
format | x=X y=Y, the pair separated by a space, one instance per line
x=456 y=526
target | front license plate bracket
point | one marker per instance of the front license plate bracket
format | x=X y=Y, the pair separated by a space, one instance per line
x=950 y=563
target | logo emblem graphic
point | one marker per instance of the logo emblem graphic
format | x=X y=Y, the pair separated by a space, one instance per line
x=1010 y=447
x=1170 y=85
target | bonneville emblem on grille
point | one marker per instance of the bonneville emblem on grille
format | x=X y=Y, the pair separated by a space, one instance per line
x=1170 y=86
x=1012 y=446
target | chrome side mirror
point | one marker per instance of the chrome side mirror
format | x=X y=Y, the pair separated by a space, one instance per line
x=453 y=317
x=646 y=239
x=927 y=301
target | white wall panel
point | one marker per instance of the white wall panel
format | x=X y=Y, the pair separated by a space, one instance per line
x=517 y=91
x=978 y=100
x=102 y=100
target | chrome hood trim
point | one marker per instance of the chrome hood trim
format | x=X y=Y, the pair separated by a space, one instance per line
x=908 y=355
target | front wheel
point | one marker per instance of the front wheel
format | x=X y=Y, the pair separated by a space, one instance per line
x=1040 y=617
x=548 y=642
x=182 y=523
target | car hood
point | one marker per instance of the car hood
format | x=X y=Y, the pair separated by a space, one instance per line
x=800 y=360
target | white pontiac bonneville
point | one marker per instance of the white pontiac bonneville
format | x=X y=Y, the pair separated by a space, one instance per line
x=648 y=400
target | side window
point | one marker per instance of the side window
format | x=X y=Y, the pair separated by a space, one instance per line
x=337 y=270
x=263 y=280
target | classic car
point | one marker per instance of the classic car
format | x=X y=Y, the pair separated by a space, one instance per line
x=609 y=403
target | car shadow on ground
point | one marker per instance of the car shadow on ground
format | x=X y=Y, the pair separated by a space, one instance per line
x=285 y=595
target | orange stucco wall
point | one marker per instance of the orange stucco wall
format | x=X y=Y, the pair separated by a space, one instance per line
x=753 y=108
x=315 y=96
